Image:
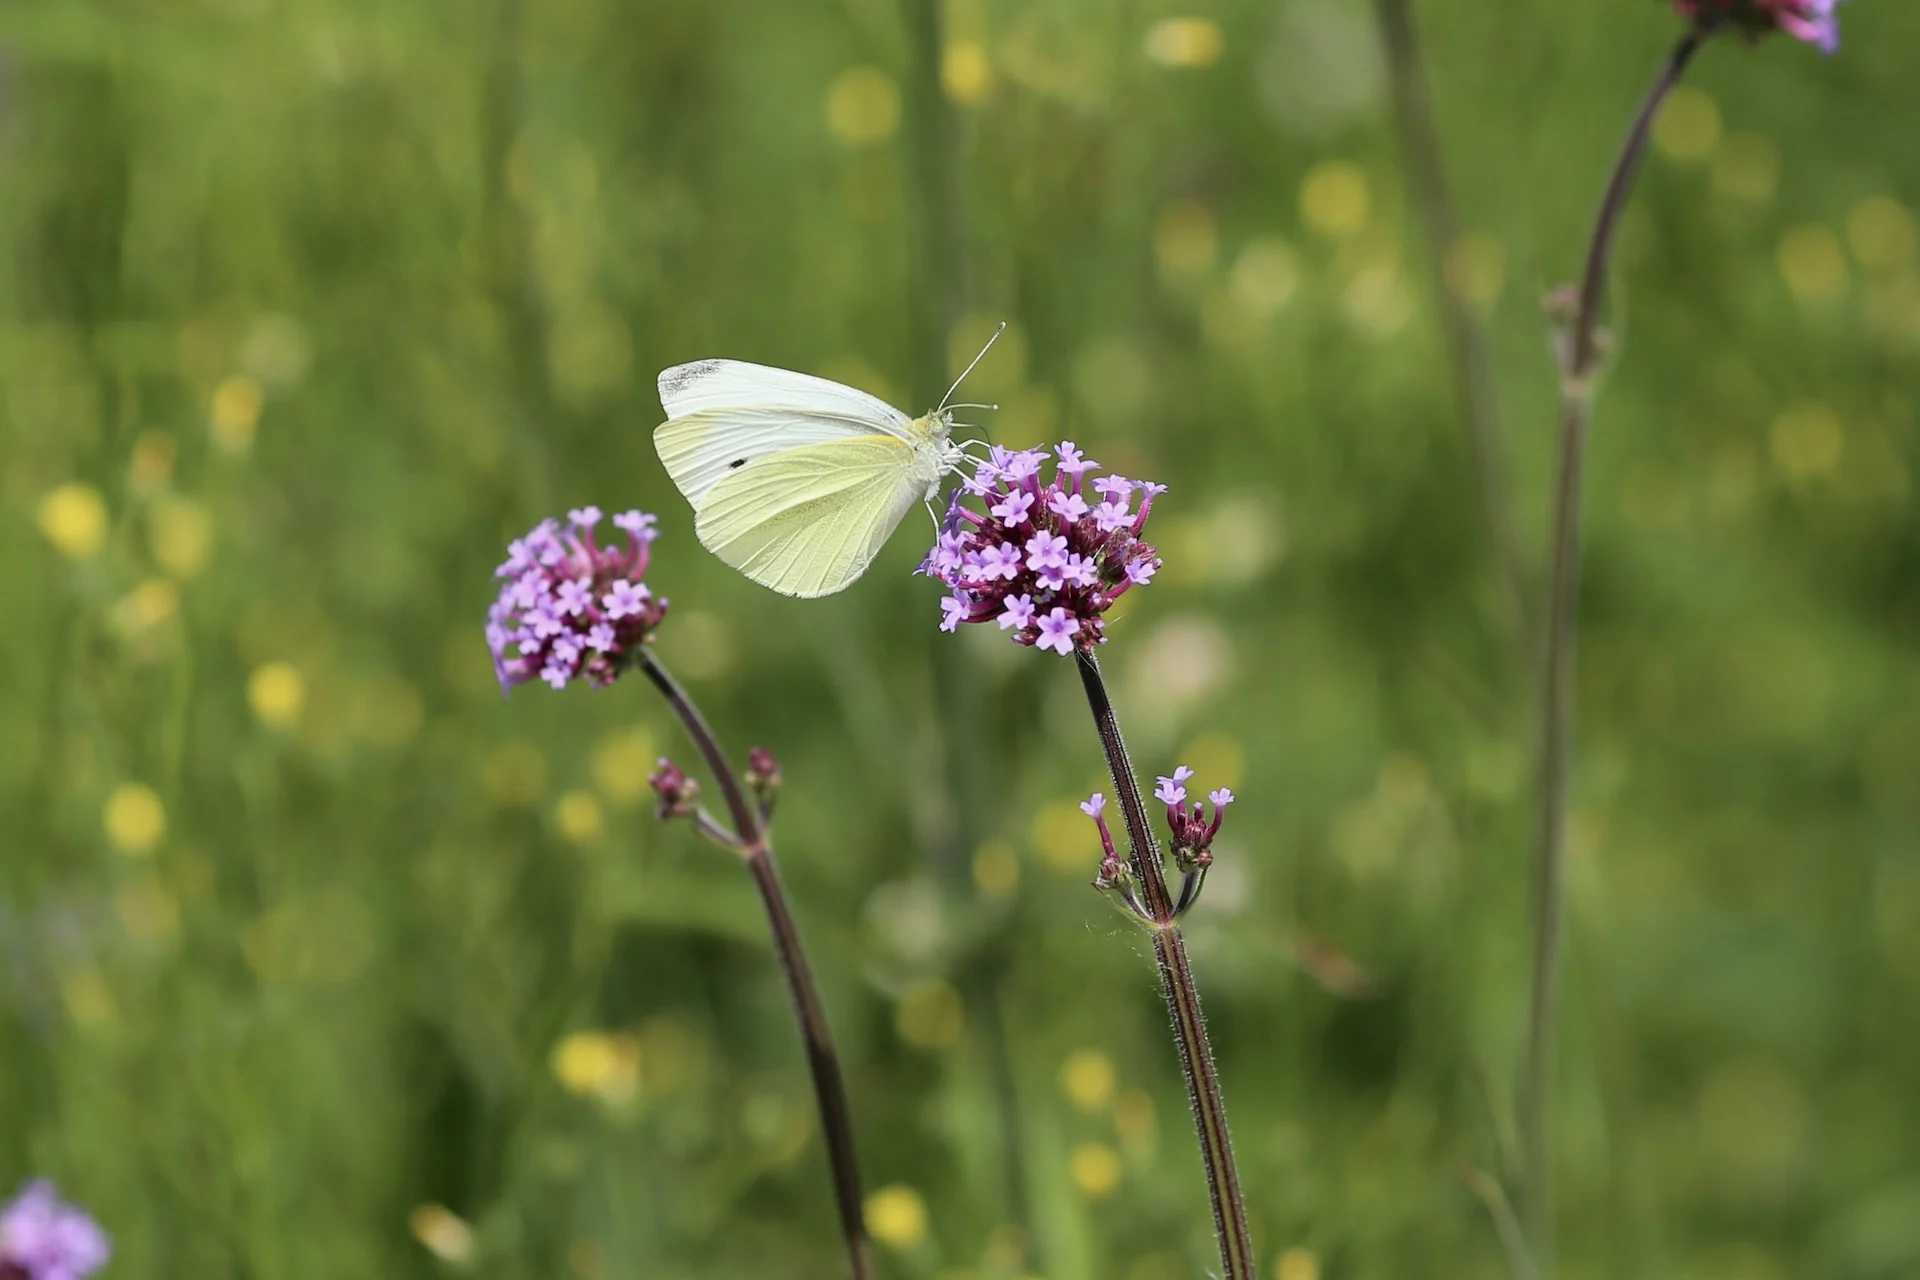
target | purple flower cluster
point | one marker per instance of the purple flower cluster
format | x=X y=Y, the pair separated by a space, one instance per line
x=571 y=607
x=1192 y=832
x=1044 y=559
x=43 y=1239
x=1813 y=21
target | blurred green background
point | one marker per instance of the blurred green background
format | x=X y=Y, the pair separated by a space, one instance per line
x=319 y=960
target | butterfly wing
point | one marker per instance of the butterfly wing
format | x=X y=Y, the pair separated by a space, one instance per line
x=807 y=521
x=725 y=414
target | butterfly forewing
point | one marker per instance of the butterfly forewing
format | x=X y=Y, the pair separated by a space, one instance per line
x=708 y=385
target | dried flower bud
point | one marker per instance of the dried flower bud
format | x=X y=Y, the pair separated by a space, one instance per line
x=677 y=792
x=763 y=771
x=571 y=607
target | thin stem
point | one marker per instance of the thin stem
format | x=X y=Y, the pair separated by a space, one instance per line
x=1466 y=343
x=829 y=1088
x=1177 y=985
x=1556 y=698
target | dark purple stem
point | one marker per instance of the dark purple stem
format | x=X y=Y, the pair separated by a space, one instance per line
x=1177 y=985
x=1582 y=352
x=756 y=849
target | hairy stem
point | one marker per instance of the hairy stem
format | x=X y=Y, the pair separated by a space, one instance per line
x=1581 y=356
x=1177 y=985
x=1466 y=343
x=756 y=849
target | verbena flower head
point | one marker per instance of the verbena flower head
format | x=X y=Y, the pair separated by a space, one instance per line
x=1814 y=21
x=44 y=1239
x=1044 y=558
x=1192 y=830
x=570 y=607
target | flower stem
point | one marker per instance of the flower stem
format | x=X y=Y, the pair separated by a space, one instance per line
x=1581 y=355
x=1466 y=344
x=1177 y=985
x=756 y=849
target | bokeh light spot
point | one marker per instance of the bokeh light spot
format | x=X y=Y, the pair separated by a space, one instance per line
x=1265 y=276
x=147 y=606
x=863 y=106
x=965 y=72
x=1095 y=1167
x=150 y=466
x=1066 y=838
x=1334 y=198
x=996 y=869
x=277 y=693
x=897 y=1216
x=1688 y=127
x=1086 y=1077
x=1184 y=42
x=134 y=819
x=74 y=519
x=442 y=1232
x=621 y=762
x=1475 y=268
x=1812 y=264
x=1185 y=243
x=1747 y=168
x=1807 y=440
x=1297 y=1264
x=180 y=531
x=578 y=816
x=236 y=413
x=930 y=1015
x=1880 y=231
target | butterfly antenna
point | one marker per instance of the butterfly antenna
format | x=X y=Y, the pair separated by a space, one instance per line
x=1000 y=329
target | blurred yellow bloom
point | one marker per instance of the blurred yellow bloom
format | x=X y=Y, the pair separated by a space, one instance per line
x=1265 y=276
x=897 y=1216
x=621 y=762
x=1475 y=267
x=596 y=1063
x=1065 y=837
x=146 y=606
x=1216 y=758
x=1133 y=1120
x=134 y=819
x=996 y=869
x=180 y=531
x=1807 y=440
x=236 y=413
x=578 y=816
x=277 y=693
x=1747 y=168
x=1095 y=1167
x=1184 y=42
x=74 y=519
x=151 y=466
x=1812 y=265
x=1087 y=1079
x=930 y=1015
x=1297 y=1264
x=444 y=1233
x=1334 y=198
x=965 y=73
x=863 y=106
x=1880 y=231
x=89 y=1000
x=1185 y=243
x=1688 y=127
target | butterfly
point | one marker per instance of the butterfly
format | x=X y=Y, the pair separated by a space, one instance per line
x=798 y=481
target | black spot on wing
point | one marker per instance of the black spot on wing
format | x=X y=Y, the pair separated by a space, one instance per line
x=675 y=380
x=736 y=464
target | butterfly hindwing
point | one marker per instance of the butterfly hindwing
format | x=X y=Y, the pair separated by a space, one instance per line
x=807 y=521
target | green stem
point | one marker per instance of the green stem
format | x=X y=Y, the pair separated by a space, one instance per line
x=1582 y=352
x=756 y=849
x=1177 y=985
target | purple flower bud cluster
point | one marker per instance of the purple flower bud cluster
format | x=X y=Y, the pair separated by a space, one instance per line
x=676 y=791
x=44 y=1239
x=572 y=608
x=1044 y=559
x=1813 y=21
x=1193 y=832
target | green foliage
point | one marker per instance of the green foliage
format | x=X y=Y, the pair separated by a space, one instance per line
x=312 y=304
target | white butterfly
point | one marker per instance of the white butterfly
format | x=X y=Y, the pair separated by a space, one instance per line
x=797 y=481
